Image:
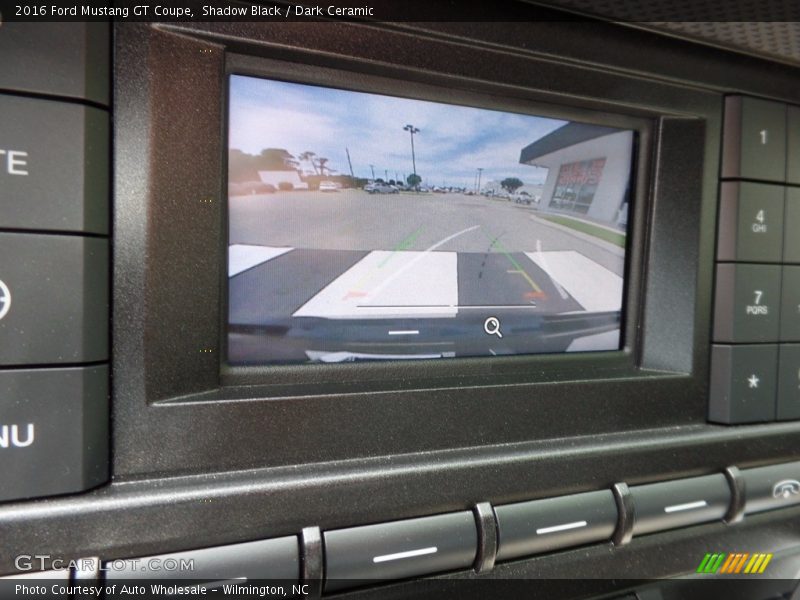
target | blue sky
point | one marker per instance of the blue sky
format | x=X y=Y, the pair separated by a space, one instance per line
x=452 y=143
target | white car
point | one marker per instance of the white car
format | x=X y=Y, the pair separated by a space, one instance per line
x=328 y=186
x=522 y=197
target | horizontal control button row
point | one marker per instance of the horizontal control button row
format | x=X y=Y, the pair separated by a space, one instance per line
x=368 y=554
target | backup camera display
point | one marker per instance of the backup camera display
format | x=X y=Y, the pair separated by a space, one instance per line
x=365 y=227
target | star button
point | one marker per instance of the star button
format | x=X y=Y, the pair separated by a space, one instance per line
x=753 y=381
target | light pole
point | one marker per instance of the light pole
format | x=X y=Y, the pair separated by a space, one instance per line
x=372 y=168
x=412 y=130
x=480 y=170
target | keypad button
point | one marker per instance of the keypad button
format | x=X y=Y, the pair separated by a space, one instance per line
x=743 y=384
x=791 y=237
x=790 y=305
x=789 y=382
x=747 y=303
x=793 y=145
x=754 y=139
x=750 y=222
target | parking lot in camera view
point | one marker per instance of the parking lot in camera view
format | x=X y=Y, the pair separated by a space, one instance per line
x=346 y=275
x=454 y=233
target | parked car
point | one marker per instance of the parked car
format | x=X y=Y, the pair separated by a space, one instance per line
x=522 y=198
x=381 y=188
x=328 y=186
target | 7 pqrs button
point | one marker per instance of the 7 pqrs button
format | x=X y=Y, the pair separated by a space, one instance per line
x=747 y=303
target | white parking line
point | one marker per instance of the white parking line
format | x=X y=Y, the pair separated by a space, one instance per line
x=242 y=257
x=382 y=286
x=420 y=256
x=542 y=262
x=593 y=286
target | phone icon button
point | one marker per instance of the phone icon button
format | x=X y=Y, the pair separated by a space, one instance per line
x=786 y=488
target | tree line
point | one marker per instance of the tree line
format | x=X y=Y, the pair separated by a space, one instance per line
x=244 y=167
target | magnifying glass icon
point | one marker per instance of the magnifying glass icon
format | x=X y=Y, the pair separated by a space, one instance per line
x=492 y=326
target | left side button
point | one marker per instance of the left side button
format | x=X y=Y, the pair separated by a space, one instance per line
x=275 y=559
x=53 y=299
x=53 y=431
x=54 y=164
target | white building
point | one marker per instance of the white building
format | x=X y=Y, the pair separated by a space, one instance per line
x=589 y=171
x=275 y=178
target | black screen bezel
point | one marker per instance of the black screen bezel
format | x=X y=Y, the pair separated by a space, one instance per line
x=176 y=404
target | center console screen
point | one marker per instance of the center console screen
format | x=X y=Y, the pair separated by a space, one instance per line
x=367 y=227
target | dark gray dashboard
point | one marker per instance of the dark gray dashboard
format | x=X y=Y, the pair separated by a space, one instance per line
x=331 y=471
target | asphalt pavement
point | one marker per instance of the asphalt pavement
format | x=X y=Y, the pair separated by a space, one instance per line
x=358 y=221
